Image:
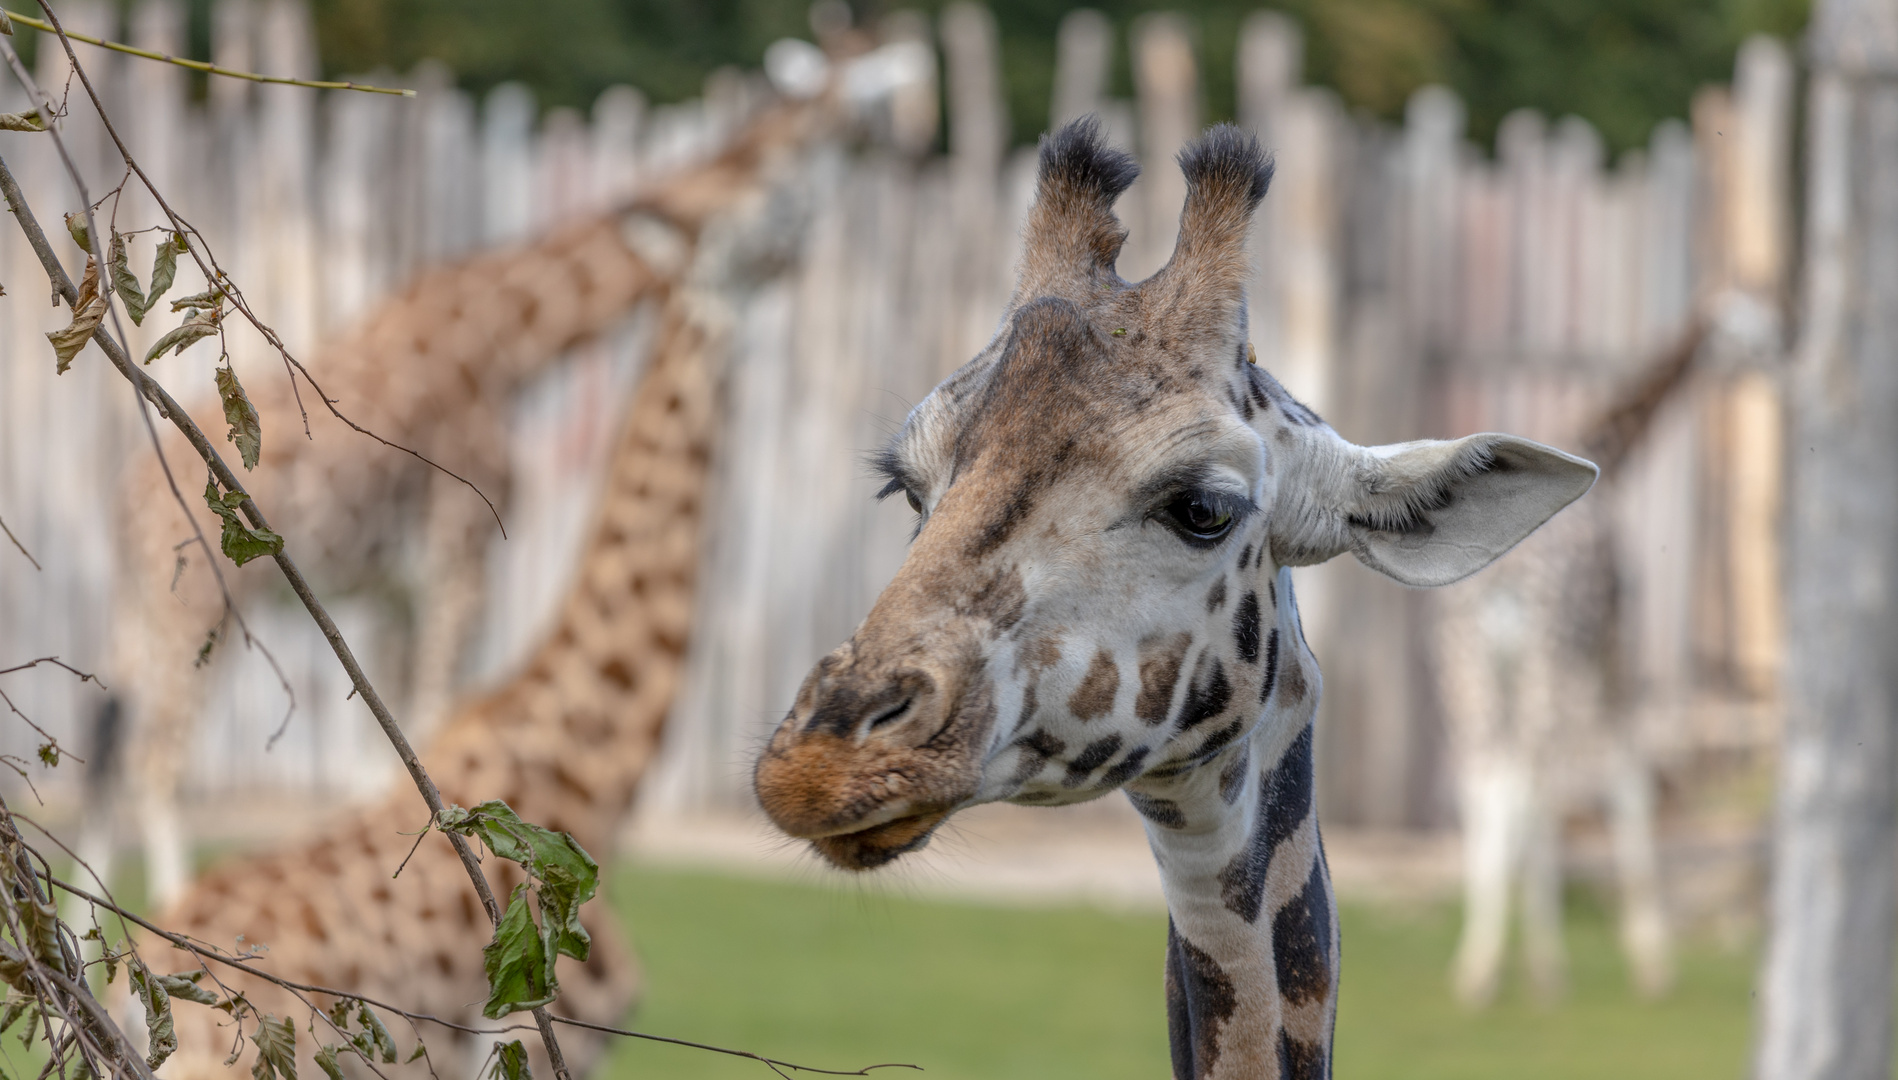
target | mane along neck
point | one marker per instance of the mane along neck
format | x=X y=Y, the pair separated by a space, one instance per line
x=1252 y=942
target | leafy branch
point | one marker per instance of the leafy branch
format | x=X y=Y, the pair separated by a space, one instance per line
x=562 y=876
x=149 y=388
x=345 y=1000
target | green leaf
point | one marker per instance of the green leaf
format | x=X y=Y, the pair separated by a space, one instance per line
x=76 y=225
x=164 y=268
x=124 y=282
x=210 y=298
x=567 y=876
x=240 y=542
x=197 y=326
x=185 y=985
x=32 y=1024
x=379 y=1035
x=161 y=1037
x=326 y=1060
x=510 y=1062
x=16 y=1008
x=22 y=121
x=276 y=1042
x=246 y=429
x=420 y=1050
x=520 y=971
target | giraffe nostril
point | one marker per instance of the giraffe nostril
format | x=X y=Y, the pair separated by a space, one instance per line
x=891 y=715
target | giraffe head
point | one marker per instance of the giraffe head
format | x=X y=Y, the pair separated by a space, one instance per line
x=1106 y=495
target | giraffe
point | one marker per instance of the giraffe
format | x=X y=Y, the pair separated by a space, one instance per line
x=1527 y=664
x=1110 y=500
x=565 y=741
x=433 y=370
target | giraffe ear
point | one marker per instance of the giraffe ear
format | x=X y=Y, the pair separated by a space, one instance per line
x=1072 y=237
x=1430 y=512
x=1227 y=174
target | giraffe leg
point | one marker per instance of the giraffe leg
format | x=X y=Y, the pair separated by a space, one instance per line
x=1543 y=952
x=156 y=655
x=1645 y=937
x=1474 y=662
x=1492 y=798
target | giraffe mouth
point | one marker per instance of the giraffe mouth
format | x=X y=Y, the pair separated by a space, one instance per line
x=879 y=845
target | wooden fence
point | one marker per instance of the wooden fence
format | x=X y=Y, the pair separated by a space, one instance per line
x=1408 y=284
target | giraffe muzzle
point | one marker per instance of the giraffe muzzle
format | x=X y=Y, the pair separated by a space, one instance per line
x=872 y=760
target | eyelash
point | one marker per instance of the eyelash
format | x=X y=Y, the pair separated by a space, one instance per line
x=1229 y=511
x=886 y=465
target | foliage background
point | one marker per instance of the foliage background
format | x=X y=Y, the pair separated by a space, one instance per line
x=1621 y=64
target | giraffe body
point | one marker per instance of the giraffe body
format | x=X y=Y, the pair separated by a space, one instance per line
x=1529 y=673
x=1098 y=597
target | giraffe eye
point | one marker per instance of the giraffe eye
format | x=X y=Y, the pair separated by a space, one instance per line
x=915 y=503
x=1200 y=515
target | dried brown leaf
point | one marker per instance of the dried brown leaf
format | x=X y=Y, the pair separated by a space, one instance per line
x=246 y=429
x=86 y=316
x=198 y=325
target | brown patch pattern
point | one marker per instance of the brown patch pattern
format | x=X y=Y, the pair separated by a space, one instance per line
x=1200 y=999
x=1160 y=661
x=1095 y=696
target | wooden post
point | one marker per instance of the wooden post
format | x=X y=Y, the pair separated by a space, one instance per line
x=1758 y=231
x=1084 y=58
x=1826 y=984
x=507 y=164
x=1168 y=84
x=978 y=135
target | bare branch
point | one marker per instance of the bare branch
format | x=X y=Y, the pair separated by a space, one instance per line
x=57 y=662
x=17 y=544
x=865 y=1071
x=208 y=69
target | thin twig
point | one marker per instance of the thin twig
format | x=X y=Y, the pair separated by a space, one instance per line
x=57 y=662
x=865 y=1071
x=44 y=734
x=22 y=547
x=61 y=751
x=208 y=69
x=209 y=952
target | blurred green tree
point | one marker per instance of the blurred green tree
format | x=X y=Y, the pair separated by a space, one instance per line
x=1621 y=64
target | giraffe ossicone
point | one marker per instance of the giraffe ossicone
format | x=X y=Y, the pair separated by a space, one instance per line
x=1098 y=597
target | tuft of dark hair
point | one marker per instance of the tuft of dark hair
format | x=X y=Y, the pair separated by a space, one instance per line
x=1228 y=157
x=1079 y=157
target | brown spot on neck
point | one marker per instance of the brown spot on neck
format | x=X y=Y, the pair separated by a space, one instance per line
x=1160 y=660
x=1095 y=696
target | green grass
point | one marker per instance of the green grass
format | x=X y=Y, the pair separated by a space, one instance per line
x=835 y=978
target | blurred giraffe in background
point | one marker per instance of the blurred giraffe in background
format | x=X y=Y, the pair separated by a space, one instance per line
x=435 y=370
x=565 y=741
x=1541 y=722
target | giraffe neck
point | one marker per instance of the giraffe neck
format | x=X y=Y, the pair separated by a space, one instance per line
x=565 y=741
x=1252 y=938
